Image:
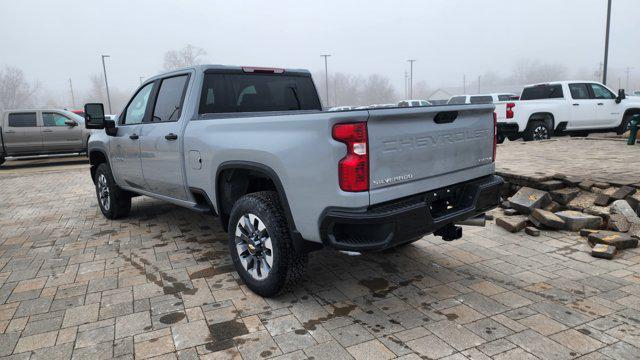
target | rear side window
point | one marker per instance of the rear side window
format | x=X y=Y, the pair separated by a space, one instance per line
x=505 y=97
x=542 y=92
x=22 y=120
x=457 y=100
x=257 y=92
x=481 y=99
x=53 y=119
x=169 y=101
x=579 y=91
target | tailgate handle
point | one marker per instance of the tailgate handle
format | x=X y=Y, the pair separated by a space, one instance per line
x=445 y=117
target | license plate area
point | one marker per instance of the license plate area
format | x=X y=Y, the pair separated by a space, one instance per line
x=445 y=201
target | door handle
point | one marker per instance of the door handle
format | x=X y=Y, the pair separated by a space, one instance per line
x=600 y=104
x=576 y=104
x=134 y=137
x=47 y=130
x=9 y=132
x=171 y=136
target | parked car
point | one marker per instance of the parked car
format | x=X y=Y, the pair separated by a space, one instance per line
x=79 y=112
x=573 y=107
x=253 y=146
x=40 y=132
x=412 y=103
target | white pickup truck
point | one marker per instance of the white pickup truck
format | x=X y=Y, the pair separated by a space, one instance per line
x=573 y=107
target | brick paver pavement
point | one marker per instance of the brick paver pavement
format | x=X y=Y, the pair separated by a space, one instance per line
x=599 y=159
x=160 y=284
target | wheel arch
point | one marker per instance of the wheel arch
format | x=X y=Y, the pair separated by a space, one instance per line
x=630 y=112
x=547 y=117
x=253 y=177
x=97 y=157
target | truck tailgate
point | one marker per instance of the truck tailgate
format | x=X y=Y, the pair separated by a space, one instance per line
x=420 y=149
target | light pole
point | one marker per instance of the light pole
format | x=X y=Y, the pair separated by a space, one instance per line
x=464 y=83
x=479 y=84
x=606 y=44
x=106 y=83
x=628 y=71
x=411 y=61
x=406 y=83
x=326 y=77
x=141 y=78
x=73 y=99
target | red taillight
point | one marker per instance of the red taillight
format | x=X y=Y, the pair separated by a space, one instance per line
x=353 y=169
x=510 y=107
x=495 y=135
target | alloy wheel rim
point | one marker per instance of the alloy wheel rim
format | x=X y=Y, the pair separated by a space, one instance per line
x=254 y=247
x=540 y=133
x=103 y=192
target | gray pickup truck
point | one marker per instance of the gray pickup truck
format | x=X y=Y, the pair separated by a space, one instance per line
x=253 y=146
x=41 y=132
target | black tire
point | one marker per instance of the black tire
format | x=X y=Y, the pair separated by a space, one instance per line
x=513 y=137
x=500 y=138
x=287 y=265
x=537 y=130
x=625 y=125
x=1 y=159
x=118 y=203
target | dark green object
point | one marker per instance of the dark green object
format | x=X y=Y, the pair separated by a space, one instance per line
x=635 y=120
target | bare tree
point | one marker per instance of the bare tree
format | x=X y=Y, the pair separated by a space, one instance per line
x=347 y=89
x=15 y=91
x=377 y=89
x=421 y=90
x=528 y=71
x=187 y=56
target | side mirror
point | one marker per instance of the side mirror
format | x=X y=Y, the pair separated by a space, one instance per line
x=94 y=116
x=621 y=96
x=71 y=123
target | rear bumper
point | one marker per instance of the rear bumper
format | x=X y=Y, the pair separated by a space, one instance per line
x=508 y=129
x=396 y=222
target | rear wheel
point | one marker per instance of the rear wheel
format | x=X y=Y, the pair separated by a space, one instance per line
x=113 y=201
x=1 y=159
x=500 y=138
x=261 y=247
x=537 y=130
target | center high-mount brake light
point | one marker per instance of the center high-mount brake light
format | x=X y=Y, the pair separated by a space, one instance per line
x=353 y=169
x=262 y=70
x=495 y=135
x=510 y=107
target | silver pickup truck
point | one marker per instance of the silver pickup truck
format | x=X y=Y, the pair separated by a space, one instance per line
x=253 y=146
x=40 y=132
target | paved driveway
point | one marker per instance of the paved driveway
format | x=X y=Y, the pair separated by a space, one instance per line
x=159 y=283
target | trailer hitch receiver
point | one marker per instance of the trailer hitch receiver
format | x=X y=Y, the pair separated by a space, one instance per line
x=449 y=232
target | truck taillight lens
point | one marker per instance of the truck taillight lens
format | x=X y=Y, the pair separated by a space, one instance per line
x=510 y=107
x=495 y=135
x=353 y=169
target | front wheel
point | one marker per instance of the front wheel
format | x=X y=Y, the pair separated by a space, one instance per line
x=537 y=130
x=261 y=247
x=1 y=159
x=113 y=201
x=625 y=125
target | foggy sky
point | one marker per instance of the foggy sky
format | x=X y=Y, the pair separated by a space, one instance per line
x=53 y=41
